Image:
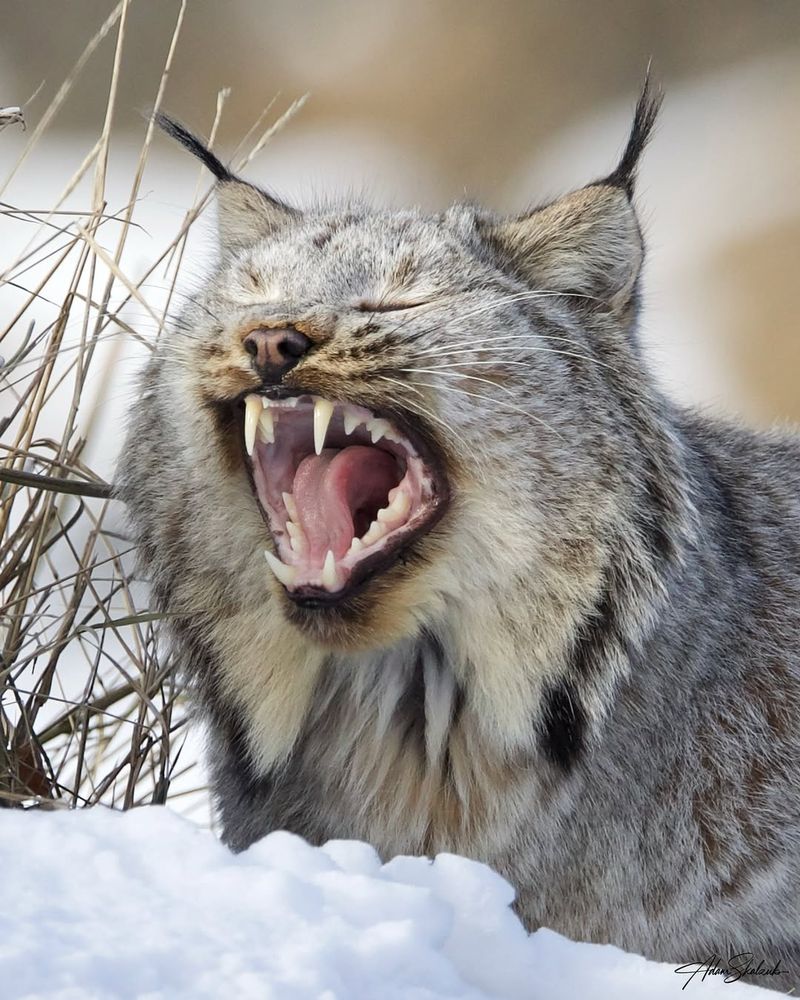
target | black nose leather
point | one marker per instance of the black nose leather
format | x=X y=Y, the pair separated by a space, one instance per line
x=274 y=352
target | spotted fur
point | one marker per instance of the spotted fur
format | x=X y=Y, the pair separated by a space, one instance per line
x=588 y=672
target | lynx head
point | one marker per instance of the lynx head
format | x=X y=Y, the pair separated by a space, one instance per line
x=374 y=417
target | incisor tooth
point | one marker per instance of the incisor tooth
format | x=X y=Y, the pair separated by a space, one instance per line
x=375 y=531
x=323 y=411
x=351 y=421
x=285 y=574
x=329 y=578
x=266 y=425
x=253 y=408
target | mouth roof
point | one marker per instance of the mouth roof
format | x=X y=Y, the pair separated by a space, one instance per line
x=342 y=490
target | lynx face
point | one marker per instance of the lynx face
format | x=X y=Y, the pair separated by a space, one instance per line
x=380 y=387
x=394 y=414
x=398 y=398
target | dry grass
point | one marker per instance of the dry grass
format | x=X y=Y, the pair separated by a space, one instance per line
x=90 y=711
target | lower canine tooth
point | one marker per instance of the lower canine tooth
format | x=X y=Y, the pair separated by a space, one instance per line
x=329 y=576
x=287 y=575
x=323 y=411
x=253 y=408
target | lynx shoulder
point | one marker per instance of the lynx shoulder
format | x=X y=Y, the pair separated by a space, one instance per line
x=447 y=571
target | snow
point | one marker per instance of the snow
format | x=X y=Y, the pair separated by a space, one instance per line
x=101 y=904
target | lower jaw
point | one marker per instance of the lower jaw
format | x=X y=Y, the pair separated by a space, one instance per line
x=375 y=613
x=358 y=622
x=338 y=627
x=375 y=573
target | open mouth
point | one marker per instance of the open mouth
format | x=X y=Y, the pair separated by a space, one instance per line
x=343 y=491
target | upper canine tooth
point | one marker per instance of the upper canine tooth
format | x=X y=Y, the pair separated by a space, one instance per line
x=330 y=578
x=377 y=429
x=266 y=424
x=351 y=421
x=253 y=408
x=323 y=411
x=287 y=575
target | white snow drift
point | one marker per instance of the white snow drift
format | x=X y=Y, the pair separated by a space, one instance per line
x=98 y=905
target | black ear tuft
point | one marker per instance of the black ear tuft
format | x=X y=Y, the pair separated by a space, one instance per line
x=644 y=119
x=188 y=139
x=246 y=213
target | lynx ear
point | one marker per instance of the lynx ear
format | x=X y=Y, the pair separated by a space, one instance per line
x=245 y=212
x=588 y=243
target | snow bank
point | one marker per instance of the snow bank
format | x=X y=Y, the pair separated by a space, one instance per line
x=99 y=904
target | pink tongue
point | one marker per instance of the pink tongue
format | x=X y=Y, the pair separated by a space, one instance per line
x=331 y=488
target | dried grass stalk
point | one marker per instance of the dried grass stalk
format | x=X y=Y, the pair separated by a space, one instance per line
x=90 y=710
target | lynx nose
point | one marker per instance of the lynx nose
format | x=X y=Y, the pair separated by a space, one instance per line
x=274 y=352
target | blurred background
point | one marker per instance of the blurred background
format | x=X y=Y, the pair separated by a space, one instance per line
x=425 y=101
x=509 y=103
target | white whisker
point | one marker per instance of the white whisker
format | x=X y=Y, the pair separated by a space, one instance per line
x=494 y=403
x=535 y=350
x=427 y=413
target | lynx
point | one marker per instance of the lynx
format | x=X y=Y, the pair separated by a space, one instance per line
x=448 y=572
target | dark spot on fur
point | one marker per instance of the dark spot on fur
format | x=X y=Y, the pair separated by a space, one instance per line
x=596 y=634
x=655 y=520
x=721 y=503
x=365 y=331
x=321 y=239
x=411 y=707
x=404 y=269
x=564 y=725
x=214 y=350
x=373 y=348
x=434 y=643
x=227 y=423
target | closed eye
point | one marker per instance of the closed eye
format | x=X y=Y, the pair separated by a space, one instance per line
x=366 y=305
